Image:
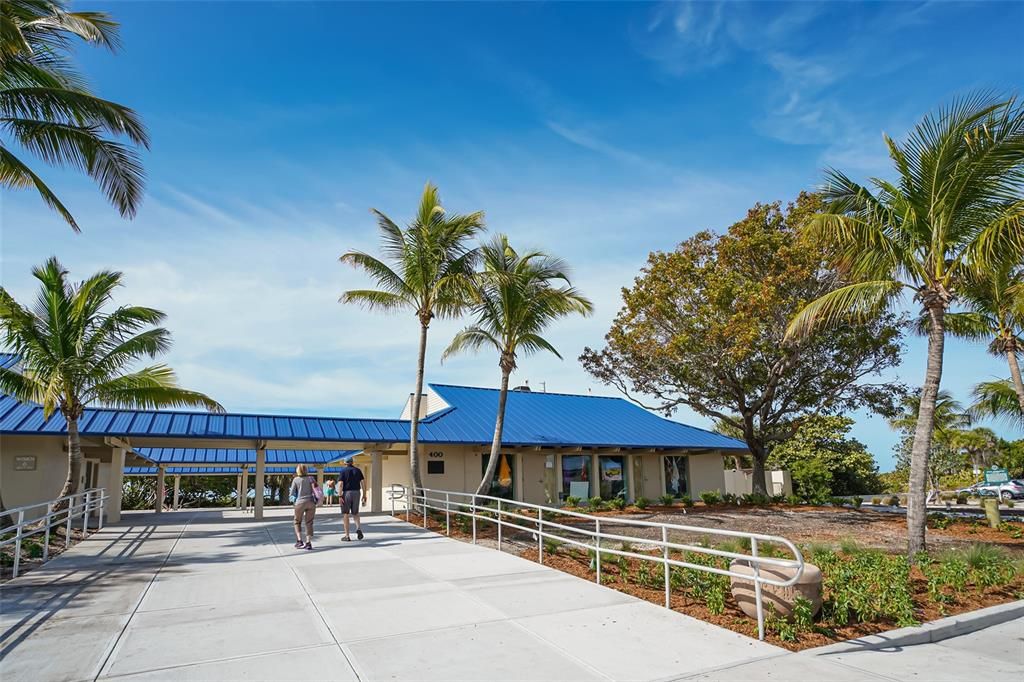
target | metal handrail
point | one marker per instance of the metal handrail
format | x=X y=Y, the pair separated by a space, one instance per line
x=449 y=502
x=80 y=504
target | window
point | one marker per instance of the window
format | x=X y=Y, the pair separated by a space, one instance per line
x=504 y=475
x=675 y=475
x=576 y=470
x=613 y=475
x=435 y=466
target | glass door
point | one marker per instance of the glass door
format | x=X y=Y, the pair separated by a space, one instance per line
x=503 y=483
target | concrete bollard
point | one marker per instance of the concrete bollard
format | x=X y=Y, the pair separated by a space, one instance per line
x=991 y=507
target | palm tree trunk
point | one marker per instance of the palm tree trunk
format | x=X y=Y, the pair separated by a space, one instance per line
x=74 y=460
x=499 y=425
x=414 y=418
x=1018 y=384
x=917 y=513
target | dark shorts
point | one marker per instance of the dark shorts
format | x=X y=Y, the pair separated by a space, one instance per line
x=350 y=502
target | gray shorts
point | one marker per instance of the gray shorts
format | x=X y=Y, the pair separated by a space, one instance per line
x=350 y=502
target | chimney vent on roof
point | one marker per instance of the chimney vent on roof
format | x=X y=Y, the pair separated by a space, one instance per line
x=525 y=388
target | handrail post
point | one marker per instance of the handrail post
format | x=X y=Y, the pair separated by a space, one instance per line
x=668 y=588
x=540 y=536
x=498 y=519
x=99 y=524
x=85 y=512
x=473 y=502
x=408 y=504
x=67 y=530
x=597 y=548
x=423 y=509
x=757 y=588
x=447 y=515
x=17 y=543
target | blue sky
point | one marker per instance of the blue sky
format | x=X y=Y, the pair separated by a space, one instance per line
x=597 y=131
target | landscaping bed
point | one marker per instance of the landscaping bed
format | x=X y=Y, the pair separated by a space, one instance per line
x=32 y=551
x=867 y=589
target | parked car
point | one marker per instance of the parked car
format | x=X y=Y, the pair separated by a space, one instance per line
x=1011 y=490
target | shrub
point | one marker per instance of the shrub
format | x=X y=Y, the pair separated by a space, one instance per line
x=849 y=546
x=666 y=500
x=864 y=587
x=894 y=501
x=618 y=503
x=857 y=502
x=794 y=499
x=961 y=498
x=552 y=546
x=710 y=497
x=573 y=501
x=595 y=503
x=876 y=500
x=729 y=498
x=1009 y=504
x=33 y=549
x=758 y=499
x=939 y=521
x=837 y=501
x=778 y=499
x=642 y=503
x=686 y=501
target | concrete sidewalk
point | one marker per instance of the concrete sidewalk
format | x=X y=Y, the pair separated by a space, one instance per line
x=215 y=595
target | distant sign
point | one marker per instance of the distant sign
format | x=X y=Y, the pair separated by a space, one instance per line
x=995 y=475
x=25 y=463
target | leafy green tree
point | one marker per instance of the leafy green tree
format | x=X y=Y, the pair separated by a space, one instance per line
x=954 y=210
x=704 y=327
x=47 y=110
x=996 y=400
x=427 y=269
x=518 y=296
x=845 y=467
x=979 y=445
x=75 y=351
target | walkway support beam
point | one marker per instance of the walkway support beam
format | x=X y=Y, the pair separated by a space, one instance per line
x=239 y=492
x=161 y=490
x=376 y=482
x=177 y=491
x=116 y=486
x=261 y=465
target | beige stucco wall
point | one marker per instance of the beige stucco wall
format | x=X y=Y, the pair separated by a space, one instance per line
x=706 y=473
x=20 y=488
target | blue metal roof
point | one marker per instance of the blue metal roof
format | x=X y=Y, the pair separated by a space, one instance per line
x=212 y=471
x=535 y=419
x=241 y=456
x=558 y=419
x=8 y=360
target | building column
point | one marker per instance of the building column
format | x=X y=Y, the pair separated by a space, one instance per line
x=632 y=485
x=161 y=490
x=238 y=492
x=320 y=475
x=113 y=505
x=560 y=492
x=261 y=465
x=595 y=476
x=177 y=491
x=376 y=482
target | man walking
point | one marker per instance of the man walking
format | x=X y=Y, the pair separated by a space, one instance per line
x=351 y=481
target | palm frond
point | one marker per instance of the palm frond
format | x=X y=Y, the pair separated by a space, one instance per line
x=153 y=387
x=15 y=174
x=852 y=302
x=996 y=400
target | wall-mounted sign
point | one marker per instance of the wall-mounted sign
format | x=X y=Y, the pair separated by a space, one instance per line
x=25 y=463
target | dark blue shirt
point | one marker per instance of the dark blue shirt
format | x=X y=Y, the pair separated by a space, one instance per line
x=350 y=478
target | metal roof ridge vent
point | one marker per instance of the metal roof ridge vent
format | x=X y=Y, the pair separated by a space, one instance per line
x=525 y=388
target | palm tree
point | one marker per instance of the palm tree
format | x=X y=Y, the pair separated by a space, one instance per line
x=430 y=273
x=954 y=210
x=996 y=400
x=516 y=300
x=46 y=108
x=74 y=351
x=948 y=417
x=995 y=313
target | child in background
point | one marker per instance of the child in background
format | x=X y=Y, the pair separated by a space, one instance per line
x=330 y=492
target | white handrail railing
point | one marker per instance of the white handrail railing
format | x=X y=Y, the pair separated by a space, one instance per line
x=469 y=505
x=79 y=505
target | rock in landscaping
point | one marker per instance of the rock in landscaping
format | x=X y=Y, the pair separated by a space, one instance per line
x=782 y=598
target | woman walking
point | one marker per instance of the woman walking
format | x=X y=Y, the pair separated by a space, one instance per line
x=304 y=492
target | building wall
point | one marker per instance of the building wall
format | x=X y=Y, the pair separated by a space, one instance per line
x=706 y=473
x=19 y=488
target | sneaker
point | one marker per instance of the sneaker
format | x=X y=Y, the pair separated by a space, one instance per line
x=308 y=546
x=298 y=544
x=346 y=538
x=359 y=534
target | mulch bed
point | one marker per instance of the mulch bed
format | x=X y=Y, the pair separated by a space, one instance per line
x=575 y=562
x=27 y=562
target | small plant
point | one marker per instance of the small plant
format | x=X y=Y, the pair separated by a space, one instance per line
x=837 y=501
x=730 y=498
x=794 y=500
x=961 y=498
x=686 y=501
x=33 y=549
x=757 y=499
x=617 y=503
x=595 y=503
x=1009 y=504
x=666 y=500
x=778 y=499
x=939 y=521
x=849 y=546
x=894 y=501
x=876 y=501
x=552 y=546
x=857 y=502
x=642 y=503
x=710 y=497
x=572 y=501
